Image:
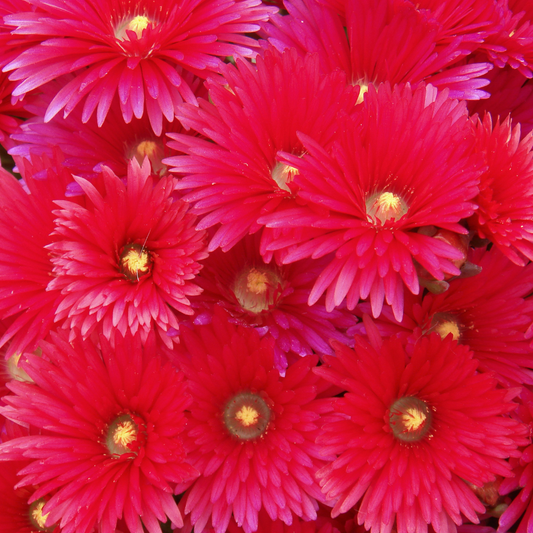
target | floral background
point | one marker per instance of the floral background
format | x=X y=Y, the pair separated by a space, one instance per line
x=265 y=266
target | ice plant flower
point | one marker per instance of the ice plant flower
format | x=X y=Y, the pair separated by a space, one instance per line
x=417 y=429
x=490 y=313
x=378 y=197
x=110 y=447
x=505 y=197
x=127 y=259
x=134 y=50
x=234 y=175
x=380 y=41
x=26 y=306
x=251 y=433
x=271 y=298
x=88 y=147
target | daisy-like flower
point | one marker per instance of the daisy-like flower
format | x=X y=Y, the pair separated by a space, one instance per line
x=87 y=147
x=26 y=306
x=136 y=50
x=272 y=299
x=416 y=431
x=379 y=41
x=251 y=433
x=490 y=313
x=111 y=422
x=127 y=258
x=505 y=199
x=399 y=170
x=234 y=179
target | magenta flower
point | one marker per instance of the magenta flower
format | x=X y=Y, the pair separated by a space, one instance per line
x=251 y=433
x=136 y=50
x=127 y=259
x=27 y=305
x=232 y=181
x=272 y=299
x=505 y=199
x=110 y=445
x=379 y=195
x=87 y=147
x=416 y=430
x=385 y=40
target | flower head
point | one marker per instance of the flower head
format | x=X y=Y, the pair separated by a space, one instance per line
x=271 y=298
x=505 y=194
x=251 y=433
x=380 y=194
x=127 y=259
x=110 y=446
x=416 y=430
x=231 y=181
x=26 y=306
x=134 y=50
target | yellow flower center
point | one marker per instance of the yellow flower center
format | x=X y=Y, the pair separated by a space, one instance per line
x=444 y=324
x=246 y=416
x=410 y=419
x=37 y=519
x=135 y=262
x=153 y=149
x=123 y=435
x=257 y=288
x=136 y=24
x=384 y=206
x=283 y=174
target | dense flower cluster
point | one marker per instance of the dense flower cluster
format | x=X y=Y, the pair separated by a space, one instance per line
x=266 y=266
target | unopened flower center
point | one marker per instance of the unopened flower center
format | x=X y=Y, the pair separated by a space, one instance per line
x=283 y=174
x=136 y=24
x=135 y=262
x=37 y=518
x=384 y=206
x=122 y=435
x=446 y=323
x=410 y=419
x=246 y=416
x=257 y=288
x=153 y=149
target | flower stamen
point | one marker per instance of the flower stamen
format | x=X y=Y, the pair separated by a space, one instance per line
x=385 y=206
x=246 y=416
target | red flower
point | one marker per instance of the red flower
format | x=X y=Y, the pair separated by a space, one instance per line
x=398 y=170
x=251 y=433
x=111 y=422
x=415 y=431
x=127 y=259
x=505 y=197
x=136 y=50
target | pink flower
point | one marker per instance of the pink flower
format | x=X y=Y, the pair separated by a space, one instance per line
x=127 y=259
x=416 y=429
x=231 y=181
x=251 y=433
x=136 y=50
x=271 y=299
x=110 y=445
x=399 y=170
x=383 y=41
x=505 y=199
x=26 y=306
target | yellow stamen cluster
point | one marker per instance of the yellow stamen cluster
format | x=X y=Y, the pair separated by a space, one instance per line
x=135 y=261
x=385 y=206
x=136 y=24
x=410 y=419
x=246 y=416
